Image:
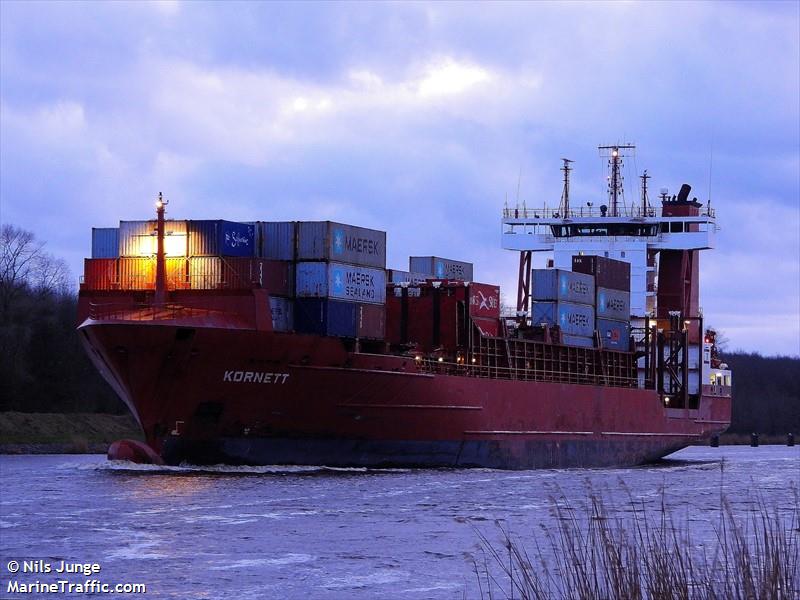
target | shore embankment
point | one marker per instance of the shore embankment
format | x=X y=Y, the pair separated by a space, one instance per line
x=63 y=433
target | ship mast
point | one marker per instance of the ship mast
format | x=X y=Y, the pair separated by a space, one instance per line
x=161 y=287
x=615 y=180
x=644 y=177
x=564 y=207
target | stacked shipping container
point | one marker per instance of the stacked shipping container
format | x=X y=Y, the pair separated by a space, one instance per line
x=442 y=314
x=565 y=299
x=323 y=277
x=212 y=249
x=137 y=247
x=340 y=280
x=276 y=241
x=613 y=298
x=200 y=255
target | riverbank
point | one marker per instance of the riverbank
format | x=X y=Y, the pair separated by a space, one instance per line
x=57 y=433
x=743 y=439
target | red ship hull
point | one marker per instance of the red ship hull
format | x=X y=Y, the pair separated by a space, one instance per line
x=207 y=392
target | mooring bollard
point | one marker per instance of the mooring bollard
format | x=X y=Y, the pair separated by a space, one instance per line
x=790 y=439
x=715 y=441
x=754 y=440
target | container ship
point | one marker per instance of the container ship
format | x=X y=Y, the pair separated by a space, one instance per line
x=292 y=343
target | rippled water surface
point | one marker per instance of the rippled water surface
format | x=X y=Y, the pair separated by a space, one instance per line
x=296 y=532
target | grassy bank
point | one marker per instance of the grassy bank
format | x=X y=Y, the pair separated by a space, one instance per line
x=32 y=433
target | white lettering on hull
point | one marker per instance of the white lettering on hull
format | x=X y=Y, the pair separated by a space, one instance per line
x=254 y=377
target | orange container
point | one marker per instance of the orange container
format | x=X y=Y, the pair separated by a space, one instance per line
x=137 y=273
x=177 y=273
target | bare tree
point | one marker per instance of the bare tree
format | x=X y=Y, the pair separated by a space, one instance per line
x=50 y=275
x=25 y=264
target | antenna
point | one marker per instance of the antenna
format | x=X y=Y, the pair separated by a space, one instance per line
x=644 y=177
x=710 y=165
x=615 y=180
x=563 y=208
x=519 y=182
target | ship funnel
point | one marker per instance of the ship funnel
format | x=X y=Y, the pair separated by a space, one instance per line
x=683 y=195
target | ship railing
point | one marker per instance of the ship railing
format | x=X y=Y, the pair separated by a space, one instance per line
x=484 y=371
x=145 y=311
x=633 y=212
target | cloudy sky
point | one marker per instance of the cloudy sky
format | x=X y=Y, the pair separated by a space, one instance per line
x=416 y=118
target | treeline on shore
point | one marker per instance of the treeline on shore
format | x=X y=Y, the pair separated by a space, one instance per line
x=766 y=394
x=44 y=369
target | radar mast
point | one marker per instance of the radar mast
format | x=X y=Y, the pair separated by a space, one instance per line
x=615 y=179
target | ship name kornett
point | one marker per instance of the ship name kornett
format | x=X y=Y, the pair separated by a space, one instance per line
x=254 y=377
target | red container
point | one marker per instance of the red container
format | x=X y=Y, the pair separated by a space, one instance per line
x=484 y=301
x=420 y=322
x=393 y=314
x=608 y=273
x=275 y=275
x=437 y=319
x=371 y=321
x=100 y=274
x=247 y=273
x=487 y=327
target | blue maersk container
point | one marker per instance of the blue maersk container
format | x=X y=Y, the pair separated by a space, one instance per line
x=613 y=304
x=278 y=239
x=329 y=241
x=221 y=238
x=572 y=318
x=341 y=282
x=321 y=316
x=614 y=335
x=105 y=242
x=440 y=268
x=558 y=285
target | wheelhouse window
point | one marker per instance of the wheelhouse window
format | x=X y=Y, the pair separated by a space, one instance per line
x=605 y=229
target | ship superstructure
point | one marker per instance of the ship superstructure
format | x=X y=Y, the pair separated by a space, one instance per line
x=662 y=244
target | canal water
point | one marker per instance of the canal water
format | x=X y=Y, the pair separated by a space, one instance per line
x=304 y=532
